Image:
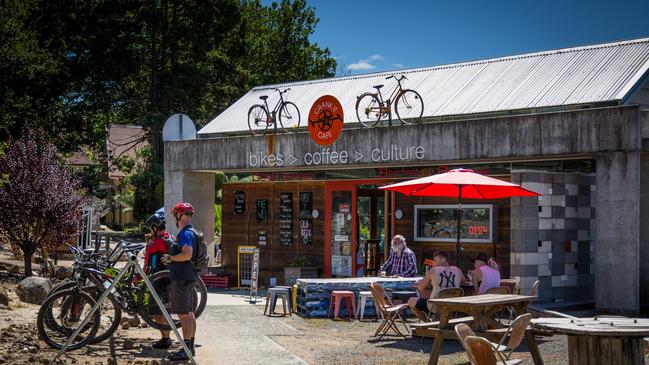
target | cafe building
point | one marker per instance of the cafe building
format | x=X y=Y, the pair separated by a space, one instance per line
x=571 y=124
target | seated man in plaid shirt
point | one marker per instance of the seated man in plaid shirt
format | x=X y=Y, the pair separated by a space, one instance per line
x=402 y=261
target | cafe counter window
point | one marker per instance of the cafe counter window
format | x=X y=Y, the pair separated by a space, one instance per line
x=438 y=223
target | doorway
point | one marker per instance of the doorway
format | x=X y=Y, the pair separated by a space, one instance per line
x=370 y=212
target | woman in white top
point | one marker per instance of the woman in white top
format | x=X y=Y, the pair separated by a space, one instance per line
x=486 y=274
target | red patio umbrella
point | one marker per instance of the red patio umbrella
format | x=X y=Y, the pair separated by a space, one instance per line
x=459 y=183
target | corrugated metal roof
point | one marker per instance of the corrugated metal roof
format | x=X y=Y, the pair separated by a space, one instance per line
x=583 y=75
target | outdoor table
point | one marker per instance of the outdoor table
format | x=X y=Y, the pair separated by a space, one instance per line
x=600 y=340
x=481 y=308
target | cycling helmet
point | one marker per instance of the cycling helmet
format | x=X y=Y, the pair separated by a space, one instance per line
x=156 y=220
x=182 y=208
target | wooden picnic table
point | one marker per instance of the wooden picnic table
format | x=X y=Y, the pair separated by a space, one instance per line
x=600 y=340
x=482 y=309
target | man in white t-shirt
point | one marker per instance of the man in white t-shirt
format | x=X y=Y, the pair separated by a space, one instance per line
x=441 y=276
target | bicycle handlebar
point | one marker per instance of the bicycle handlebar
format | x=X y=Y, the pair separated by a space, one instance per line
x=398 y=79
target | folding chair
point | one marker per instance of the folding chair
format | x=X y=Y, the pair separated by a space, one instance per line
x=463 y=331
x=389 y=311
x=516 y=332
x=482 y=352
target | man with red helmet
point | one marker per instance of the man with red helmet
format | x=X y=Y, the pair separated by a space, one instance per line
x=183 y=277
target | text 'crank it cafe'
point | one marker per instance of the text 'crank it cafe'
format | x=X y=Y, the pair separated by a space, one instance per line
x=304 y=176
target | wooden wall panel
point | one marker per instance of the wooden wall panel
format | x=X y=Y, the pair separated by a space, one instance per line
x=243 y=229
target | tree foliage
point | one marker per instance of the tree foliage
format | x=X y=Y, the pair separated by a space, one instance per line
x=41 y=205
x=74 y=67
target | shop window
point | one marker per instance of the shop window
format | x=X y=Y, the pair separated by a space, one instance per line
x=438 y=223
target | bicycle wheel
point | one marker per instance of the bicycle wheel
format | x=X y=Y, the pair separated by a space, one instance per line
x=289 y=116
x=199 y=288
x=258 y=119
x=110 y=312
x=368 y=110
x=77 y=309
x=409 y=107
x=149 y=310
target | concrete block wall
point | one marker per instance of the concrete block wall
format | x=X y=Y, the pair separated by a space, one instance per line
x=553 y=236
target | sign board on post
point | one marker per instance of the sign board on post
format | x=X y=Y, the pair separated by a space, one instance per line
x=254 y=276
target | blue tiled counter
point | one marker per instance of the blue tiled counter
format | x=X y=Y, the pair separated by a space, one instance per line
x=313 y=294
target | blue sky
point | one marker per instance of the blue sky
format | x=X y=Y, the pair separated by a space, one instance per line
x=378 y=35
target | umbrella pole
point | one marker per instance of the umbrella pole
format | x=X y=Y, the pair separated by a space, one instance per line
x=458 y=246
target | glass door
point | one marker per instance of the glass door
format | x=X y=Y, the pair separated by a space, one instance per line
x=341 y=231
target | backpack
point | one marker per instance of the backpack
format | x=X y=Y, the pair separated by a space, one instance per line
x=200 y=258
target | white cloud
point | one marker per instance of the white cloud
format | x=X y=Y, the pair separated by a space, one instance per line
x=361 y=65
x=365 y=64
x=397 y=65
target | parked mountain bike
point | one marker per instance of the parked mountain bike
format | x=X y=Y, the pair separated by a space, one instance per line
x=260 y=118
x=372 y=107
x=69 y=300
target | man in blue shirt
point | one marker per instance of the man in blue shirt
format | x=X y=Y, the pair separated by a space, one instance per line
x=183 y=277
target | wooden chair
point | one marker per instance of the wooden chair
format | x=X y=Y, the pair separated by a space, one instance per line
x=446 y=293
x=463 y=331
x=482 y=352
x=516 y=333
x=389 y=312
x=498 y=290
x=535 y=288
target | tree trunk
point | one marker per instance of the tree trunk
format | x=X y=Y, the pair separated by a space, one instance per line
x=27 y=258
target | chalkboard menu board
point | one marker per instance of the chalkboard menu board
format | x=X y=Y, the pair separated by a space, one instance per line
x=262 y=210
x=239 y=202
x=286 y=218
x=306 y=219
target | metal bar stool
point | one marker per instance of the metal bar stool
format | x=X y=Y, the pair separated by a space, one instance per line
x=273 y=293
x=363 y=296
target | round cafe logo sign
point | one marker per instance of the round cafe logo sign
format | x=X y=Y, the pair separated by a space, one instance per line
x=325 y=120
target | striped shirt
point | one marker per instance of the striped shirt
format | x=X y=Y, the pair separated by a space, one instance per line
x=404 y=265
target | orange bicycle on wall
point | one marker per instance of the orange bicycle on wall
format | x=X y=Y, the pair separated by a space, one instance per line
x=408 y=105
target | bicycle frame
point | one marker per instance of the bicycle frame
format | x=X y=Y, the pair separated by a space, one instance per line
x=385 y=106
x=273 y=114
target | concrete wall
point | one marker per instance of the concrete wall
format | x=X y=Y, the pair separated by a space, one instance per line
x=644 y=233
x=617 y=250
x=569 y=133
x=196 y=188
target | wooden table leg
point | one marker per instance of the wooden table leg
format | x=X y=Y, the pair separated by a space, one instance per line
x=534 y=350
x=437 y=348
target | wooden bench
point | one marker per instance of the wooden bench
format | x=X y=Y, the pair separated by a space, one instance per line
x=423 y=329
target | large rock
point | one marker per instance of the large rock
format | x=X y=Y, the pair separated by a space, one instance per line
x=63 y=272
x=33 y=289
x=4 y=298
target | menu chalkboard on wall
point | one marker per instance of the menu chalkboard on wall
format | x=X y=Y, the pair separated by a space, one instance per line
x=262 y=210
x=306 y=218
x=239 y=202
x=286 y=218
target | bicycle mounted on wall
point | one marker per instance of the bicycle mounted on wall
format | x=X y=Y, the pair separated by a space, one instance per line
x=260 y=118
x=372 y=107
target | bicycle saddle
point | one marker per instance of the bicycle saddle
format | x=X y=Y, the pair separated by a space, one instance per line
x=263 y=97
x=378 y=86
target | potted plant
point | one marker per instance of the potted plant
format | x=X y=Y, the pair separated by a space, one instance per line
x=299 y=268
